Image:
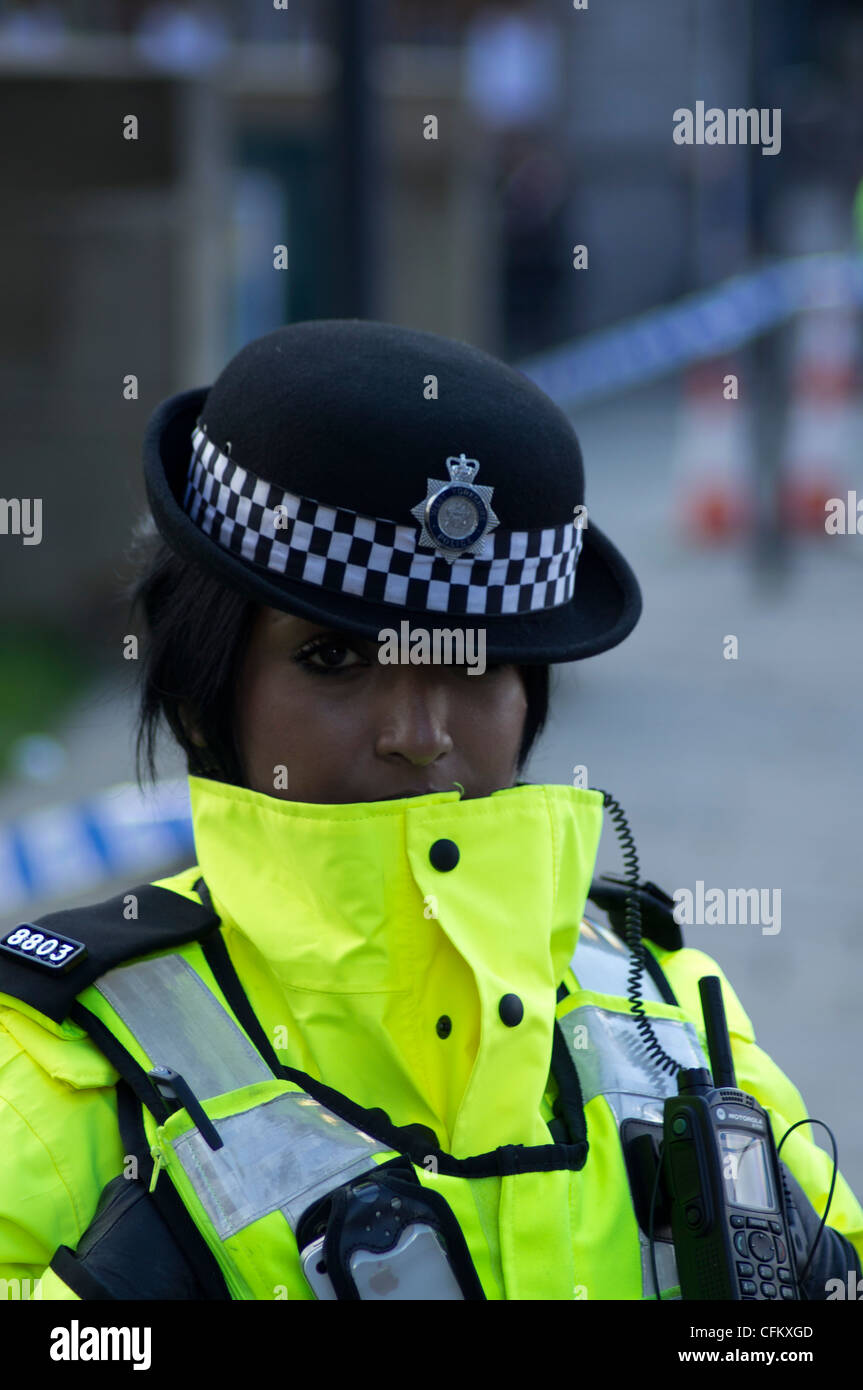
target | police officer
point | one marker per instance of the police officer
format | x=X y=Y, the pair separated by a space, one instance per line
x=369 y=1045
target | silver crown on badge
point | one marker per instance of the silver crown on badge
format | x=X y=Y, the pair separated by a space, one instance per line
x=456 y=517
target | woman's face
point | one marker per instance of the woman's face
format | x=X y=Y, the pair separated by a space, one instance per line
x=348 y=728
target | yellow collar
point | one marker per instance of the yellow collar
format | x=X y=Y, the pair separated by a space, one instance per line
x=355 y=949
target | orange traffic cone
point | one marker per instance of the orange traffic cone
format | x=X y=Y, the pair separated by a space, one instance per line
x=712 y=455
x=819 y=437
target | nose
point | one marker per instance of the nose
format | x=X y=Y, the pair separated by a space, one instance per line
x=415 y=720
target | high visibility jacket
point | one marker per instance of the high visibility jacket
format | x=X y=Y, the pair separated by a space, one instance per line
x=430 y=964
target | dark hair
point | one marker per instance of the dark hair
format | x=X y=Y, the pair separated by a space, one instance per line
x=197 y=633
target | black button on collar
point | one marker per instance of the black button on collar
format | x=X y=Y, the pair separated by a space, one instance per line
x=444 y=855
x=511 y=1010
x=444 y=1026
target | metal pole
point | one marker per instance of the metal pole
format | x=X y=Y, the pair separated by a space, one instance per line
x=355 y=161
x=772 y=554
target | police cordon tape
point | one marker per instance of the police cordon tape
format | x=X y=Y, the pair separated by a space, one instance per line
x=122 y=831
x=700 y=326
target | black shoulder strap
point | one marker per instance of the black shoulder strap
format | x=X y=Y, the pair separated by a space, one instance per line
x=657 y=910
x=164 y=919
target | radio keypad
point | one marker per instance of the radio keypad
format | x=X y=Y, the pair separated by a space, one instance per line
x=763 y=1248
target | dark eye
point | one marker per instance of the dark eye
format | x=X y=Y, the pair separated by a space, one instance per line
x=326 y=654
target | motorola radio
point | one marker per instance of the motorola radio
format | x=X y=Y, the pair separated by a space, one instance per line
x=723 y=1180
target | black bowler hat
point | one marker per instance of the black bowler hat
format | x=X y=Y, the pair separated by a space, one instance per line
x=359 y=474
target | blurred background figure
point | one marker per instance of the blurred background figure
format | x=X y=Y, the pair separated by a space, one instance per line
x=513 y=83
x=179 y=178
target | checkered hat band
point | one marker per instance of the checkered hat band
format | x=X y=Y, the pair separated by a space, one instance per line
x=343 y=552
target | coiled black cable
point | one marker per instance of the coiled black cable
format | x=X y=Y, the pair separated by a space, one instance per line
x=632 y=927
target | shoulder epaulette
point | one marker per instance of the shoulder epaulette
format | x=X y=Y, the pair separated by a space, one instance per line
x=49 y=980
x=657 y=910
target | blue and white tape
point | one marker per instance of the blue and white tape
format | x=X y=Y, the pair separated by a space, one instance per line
x=697 y=328
x=71 y=849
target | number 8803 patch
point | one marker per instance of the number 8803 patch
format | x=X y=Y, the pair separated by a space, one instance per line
x=46 y=949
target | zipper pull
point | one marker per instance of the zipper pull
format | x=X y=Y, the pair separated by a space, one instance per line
x=156 y=1153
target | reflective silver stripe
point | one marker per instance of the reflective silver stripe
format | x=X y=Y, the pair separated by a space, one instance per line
x=611 y=1056
x=180 y=1024
x=612 y=1059
x=601 y=962
x=280 y=1155
x=283 y=1154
